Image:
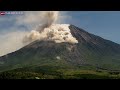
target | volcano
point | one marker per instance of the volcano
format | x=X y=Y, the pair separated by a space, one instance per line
x=88 y=51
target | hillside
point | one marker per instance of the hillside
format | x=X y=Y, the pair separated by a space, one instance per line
x=90 y=52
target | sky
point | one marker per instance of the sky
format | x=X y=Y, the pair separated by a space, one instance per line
x=105 y=24
x=102 y=23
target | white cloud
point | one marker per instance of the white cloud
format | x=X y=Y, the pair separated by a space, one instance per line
x=12 y=41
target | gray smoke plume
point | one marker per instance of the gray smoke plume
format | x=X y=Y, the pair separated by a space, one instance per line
x=47 y=30
x=47 y=19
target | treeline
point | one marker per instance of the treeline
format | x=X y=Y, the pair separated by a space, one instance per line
x=17 y=75
x=27 y=75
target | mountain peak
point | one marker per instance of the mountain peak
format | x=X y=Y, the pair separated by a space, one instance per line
x=81 y=34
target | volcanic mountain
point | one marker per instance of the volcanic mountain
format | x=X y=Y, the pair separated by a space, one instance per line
x=87 y=50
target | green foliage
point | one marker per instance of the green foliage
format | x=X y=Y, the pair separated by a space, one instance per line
x=48 y=72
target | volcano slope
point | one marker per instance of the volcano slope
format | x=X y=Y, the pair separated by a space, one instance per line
x=48 y=59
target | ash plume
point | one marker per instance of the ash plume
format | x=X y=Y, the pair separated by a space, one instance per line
x=47 y=19
x=48 y=30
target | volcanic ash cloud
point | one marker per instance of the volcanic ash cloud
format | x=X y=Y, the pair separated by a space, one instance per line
x=47 y=30
x=47 y=19
x=56 y=32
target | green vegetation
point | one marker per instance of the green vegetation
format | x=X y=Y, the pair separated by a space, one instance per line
x=47 y=72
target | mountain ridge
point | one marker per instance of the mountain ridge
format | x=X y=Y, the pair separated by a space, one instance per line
x=90 y=50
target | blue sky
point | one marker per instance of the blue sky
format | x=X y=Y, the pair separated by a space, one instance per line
x=102 y=23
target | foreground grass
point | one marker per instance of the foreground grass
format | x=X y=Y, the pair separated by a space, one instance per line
x=47 y=73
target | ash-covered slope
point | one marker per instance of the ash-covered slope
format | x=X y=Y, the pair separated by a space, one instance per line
x=85 y=49
x=97 y=42
x=97 y=51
